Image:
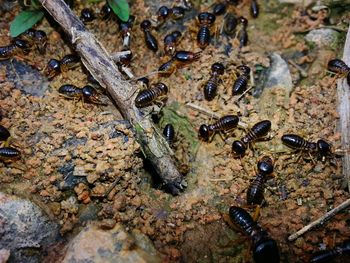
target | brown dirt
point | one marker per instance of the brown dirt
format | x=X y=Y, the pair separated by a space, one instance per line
x=54 y=133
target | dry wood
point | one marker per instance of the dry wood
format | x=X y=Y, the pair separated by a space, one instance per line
x=101 y=66
x=320 y=221
x=344 y=112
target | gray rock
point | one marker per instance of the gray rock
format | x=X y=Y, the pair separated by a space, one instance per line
x=24 y=229
x=279 y=74
x=323 y=37
x=25 y=77
x=4 y=255
x=89 y=212
x=93 y=244
x=70 y=180
x=274 y=97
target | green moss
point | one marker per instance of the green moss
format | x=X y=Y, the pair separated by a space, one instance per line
x=337 y=45
x=181 y=125
x=139 y=133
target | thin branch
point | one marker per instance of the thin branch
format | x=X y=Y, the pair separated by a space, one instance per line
x=320 y=221
x=212 y=114
x=205 y=111
x=101 y=66
x=301 y=70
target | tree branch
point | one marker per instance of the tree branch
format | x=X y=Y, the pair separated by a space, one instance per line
x=101 y=66
x=343 y=91
x=321 y=220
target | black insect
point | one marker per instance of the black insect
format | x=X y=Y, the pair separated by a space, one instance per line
x=151 y=41
x=242 y=33
x=4 y=136
x=23 y=46
x=87 y=93
x=219 y=9
x=224 y=124
x=210 y=88
x=264 y=248
x=170 y=42
x=91 y=94
x=254 y=8
x=106 y=12
x=55 y=67
x=92 y=80
x=37 y=38
x=180 y=59
x=186 y=56
x=328 y=255
x=87 y=15
x=125 y=29
x=70 y=91
x=148 y=96
x=321 y=148
x=255 y=192
x=4 y=133
x=18 y=47
x=144 y=81
x=240 y=84
x=206 y=20
x=125 y=59
x=258 y=131
x=68 y=62
x=9 y=154
x=230 y=24
x=339 y=67
x=177 y=12
x=167 y=68
x=169 y=133
x=164 y=13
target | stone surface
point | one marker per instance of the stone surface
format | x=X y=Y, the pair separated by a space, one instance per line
x=93 y=244
x=323 y=37
x=279 y=74
x=4 y=255
x=25 y=77
x=24 y=229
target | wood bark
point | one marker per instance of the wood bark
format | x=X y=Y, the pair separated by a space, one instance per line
x=343 y=91
x=101 y=66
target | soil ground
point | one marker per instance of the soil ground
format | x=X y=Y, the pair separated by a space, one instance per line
x=82 y=162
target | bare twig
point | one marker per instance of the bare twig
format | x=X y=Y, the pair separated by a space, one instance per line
x=203 y=110
x=116 y=181
x=101 y=66
x=344 y=112
x=301 y=70
x=320 y=221
x=243 y=94
x=212 y=114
